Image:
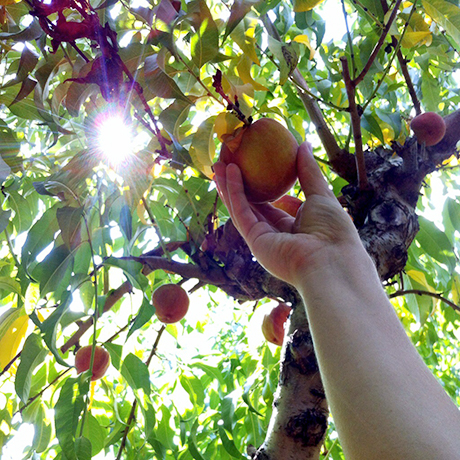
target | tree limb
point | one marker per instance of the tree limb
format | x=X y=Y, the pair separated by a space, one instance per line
x=356 y=126
x=379 y=45
x=427 y=293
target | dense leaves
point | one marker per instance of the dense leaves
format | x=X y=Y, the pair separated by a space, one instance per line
x=86 y=239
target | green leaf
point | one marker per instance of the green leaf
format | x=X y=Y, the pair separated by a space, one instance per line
x=23 y=217
x=371 y=125
x=66 y=416
x=159 y=83
x=227 y=410
x=144 y=315
x=446 y=14
x=192 y=385
x=9 y=145
x=116 y=352
x=50 y=327
x=42 y=431
x=431 y=92
x=10 y=285
x=205 y=42
x=4 y=219
x=54 y=272
x=286 y=56
x=435 y=243
x=39 y=236
x=132 y=270
x=94 y=433
x=136 y=373
x=32 y=355
x=192 y=443
x=83 y=448
x=238 y=11
x=69 y=219
x=228 y=444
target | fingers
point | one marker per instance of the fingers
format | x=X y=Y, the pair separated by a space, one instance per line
x=231 y=189
x=310 y=176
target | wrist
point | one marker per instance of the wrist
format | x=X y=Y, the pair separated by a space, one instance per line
x=346 y=268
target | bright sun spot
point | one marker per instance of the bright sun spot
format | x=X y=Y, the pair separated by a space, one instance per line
x=115 y=139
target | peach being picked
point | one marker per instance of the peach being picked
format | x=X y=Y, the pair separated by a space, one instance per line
x=429 y=128
x=273 y=323
x=171 y=303
x=266 y=153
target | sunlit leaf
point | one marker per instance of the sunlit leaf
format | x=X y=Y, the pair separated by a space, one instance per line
x=305 y=5
x=446 y=14
x=32 y=355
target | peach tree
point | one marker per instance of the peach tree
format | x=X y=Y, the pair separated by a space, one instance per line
x=112 y=114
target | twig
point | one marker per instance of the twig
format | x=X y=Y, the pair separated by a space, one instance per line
x=5 y=369
x=350 y=41
x=110 y=301
x=379 y=45
x=356 y=126
x=392 y=57
x=31 y=400
x=428 y=293
x=403 y=64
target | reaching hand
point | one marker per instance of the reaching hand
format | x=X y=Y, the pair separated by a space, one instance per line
x=290 y=248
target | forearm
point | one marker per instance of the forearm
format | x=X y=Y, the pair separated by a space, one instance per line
x=385 y=402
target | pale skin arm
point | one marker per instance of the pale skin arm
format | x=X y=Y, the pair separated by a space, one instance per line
x=385 y=402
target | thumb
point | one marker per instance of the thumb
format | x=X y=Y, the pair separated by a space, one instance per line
x=310 y=176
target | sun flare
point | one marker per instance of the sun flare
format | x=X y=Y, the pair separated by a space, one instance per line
x=115 y=138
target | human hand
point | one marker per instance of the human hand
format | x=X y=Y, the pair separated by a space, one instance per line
x=290 y=248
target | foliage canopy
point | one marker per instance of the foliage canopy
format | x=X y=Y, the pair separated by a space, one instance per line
x=85 y=240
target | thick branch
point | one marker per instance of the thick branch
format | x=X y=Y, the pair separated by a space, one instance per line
x=356 y=126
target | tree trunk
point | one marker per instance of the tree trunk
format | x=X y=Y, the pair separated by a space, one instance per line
x=299 y=420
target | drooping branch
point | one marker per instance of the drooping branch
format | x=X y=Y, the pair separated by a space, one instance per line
x=427 y=293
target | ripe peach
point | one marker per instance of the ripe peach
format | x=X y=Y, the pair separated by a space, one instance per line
x=101 y=361
x=171 y=303
x=429 y=128
x=266 y=153
x=289 y=204
x=273 y=323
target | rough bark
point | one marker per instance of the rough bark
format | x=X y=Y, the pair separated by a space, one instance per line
x=299 y=420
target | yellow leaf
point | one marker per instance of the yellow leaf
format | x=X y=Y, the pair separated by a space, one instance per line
x=412 y=39
x=244 y=71
x=420 y=278
x=305 y=41
x=244 y=37
x=12 y=338
x=305 y=5
x=203 y=149
x=226 y=123
x=32 y=297
x=8 y=2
